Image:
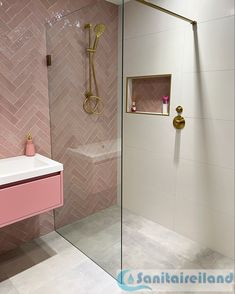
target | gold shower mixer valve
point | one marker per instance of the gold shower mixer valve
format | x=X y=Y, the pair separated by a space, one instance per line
x=179 y=121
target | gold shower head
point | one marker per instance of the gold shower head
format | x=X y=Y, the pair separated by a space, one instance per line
x=99 y=30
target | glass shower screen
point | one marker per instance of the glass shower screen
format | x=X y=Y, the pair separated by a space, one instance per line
x=85 y=110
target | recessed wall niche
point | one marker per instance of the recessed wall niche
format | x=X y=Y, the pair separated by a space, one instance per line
x=148 y=94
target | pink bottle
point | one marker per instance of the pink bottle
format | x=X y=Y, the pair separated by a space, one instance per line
x=29 y=149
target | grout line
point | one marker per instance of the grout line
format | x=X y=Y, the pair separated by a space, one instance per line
x=184 y=27
x=217 y=18
x=162 y=155
x=189 y=117
x=154 y=33
x=209 y=118
x=210 y=70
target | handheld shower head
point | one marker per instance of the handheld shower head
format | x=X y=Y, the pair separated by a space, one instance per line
x=99 y=29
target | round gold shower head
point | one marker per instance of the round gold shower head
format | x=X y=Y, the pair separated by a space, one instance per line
x=99 y=29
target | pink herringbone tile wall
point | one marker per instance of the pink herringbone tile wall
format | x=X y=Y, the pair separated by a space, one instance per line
x=24 y=103
x=89 y=187
x=148 y=93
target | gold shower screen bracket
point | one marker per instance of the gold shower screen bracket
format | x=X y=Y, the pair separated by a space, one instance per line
x=193 y=22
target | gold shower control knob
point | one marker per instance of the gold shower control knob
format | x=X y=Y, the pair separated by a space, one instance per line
x=179 y=109
x=179 y=121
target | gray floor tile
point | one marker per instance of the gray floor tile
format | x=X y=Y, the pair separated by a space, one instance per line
x=51 y=265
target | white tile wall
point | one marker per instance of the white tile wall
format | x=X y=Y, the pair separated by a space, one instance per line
x=211 y=48
x=154 y=170
x=206 y=185
x=202 y=10
x=147 y=21
x=209 y=141
x=206 y=226
x=208 y=94
x=184 y=180
x=154 y=178
x=135 y=128
x=162 y=51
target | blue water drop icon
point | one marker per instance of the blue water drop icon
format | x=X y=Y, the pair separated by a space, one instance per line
x=131 y=280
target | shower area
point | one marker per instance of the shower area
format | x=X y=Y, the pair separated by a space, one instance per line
x=83 y=87
x=131 y=89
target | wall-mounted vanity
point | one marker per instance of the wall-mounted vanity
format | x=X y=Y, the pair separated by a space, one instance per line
x=29 y=186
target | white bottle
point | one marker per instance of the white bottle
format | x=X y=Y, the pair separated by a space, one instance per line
x=165 y=108
x=165 y=105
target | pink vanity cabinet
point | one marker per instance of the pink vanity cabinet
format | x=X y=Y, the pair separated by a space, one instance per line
x=29 y=197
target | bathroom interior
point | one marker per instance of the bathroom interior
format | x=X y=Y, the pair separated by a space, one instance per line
x=134 y=164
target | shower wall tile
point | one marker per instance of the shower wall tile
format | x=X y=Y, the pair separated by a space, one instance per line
x=208 y=95
x=209 y=141
x=147 y=21
x=149 y=185
x=24 y=103
x=211 y=48
x=23 y=72
x=206 y=226
x=151 y=170
x=202 y=67
x=147 y=128
x=208 y=10
x=204 y=184
x=162 y=50
x=89 y=188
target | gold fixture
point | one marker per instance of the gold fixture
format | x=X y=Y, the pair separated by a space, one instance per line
x=93 y=104
x=99 y=30
x=179 y=121
x=193 y=22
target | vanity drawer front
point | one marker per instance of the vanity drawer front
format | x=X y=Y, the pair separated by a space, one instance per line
x=25 y=200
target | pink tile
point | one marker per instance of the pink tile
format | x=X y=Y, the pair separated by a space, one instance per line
x=19 y=18
x=24 y=86
x=149 y=92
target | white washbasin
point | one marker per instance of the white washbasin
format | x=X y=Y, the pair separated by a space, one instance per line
x=23 y=167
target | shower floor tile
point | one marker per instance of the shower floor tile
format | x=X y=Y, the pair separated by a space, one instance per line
x=146 y=244
x=156 y=247
x=52 y=265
